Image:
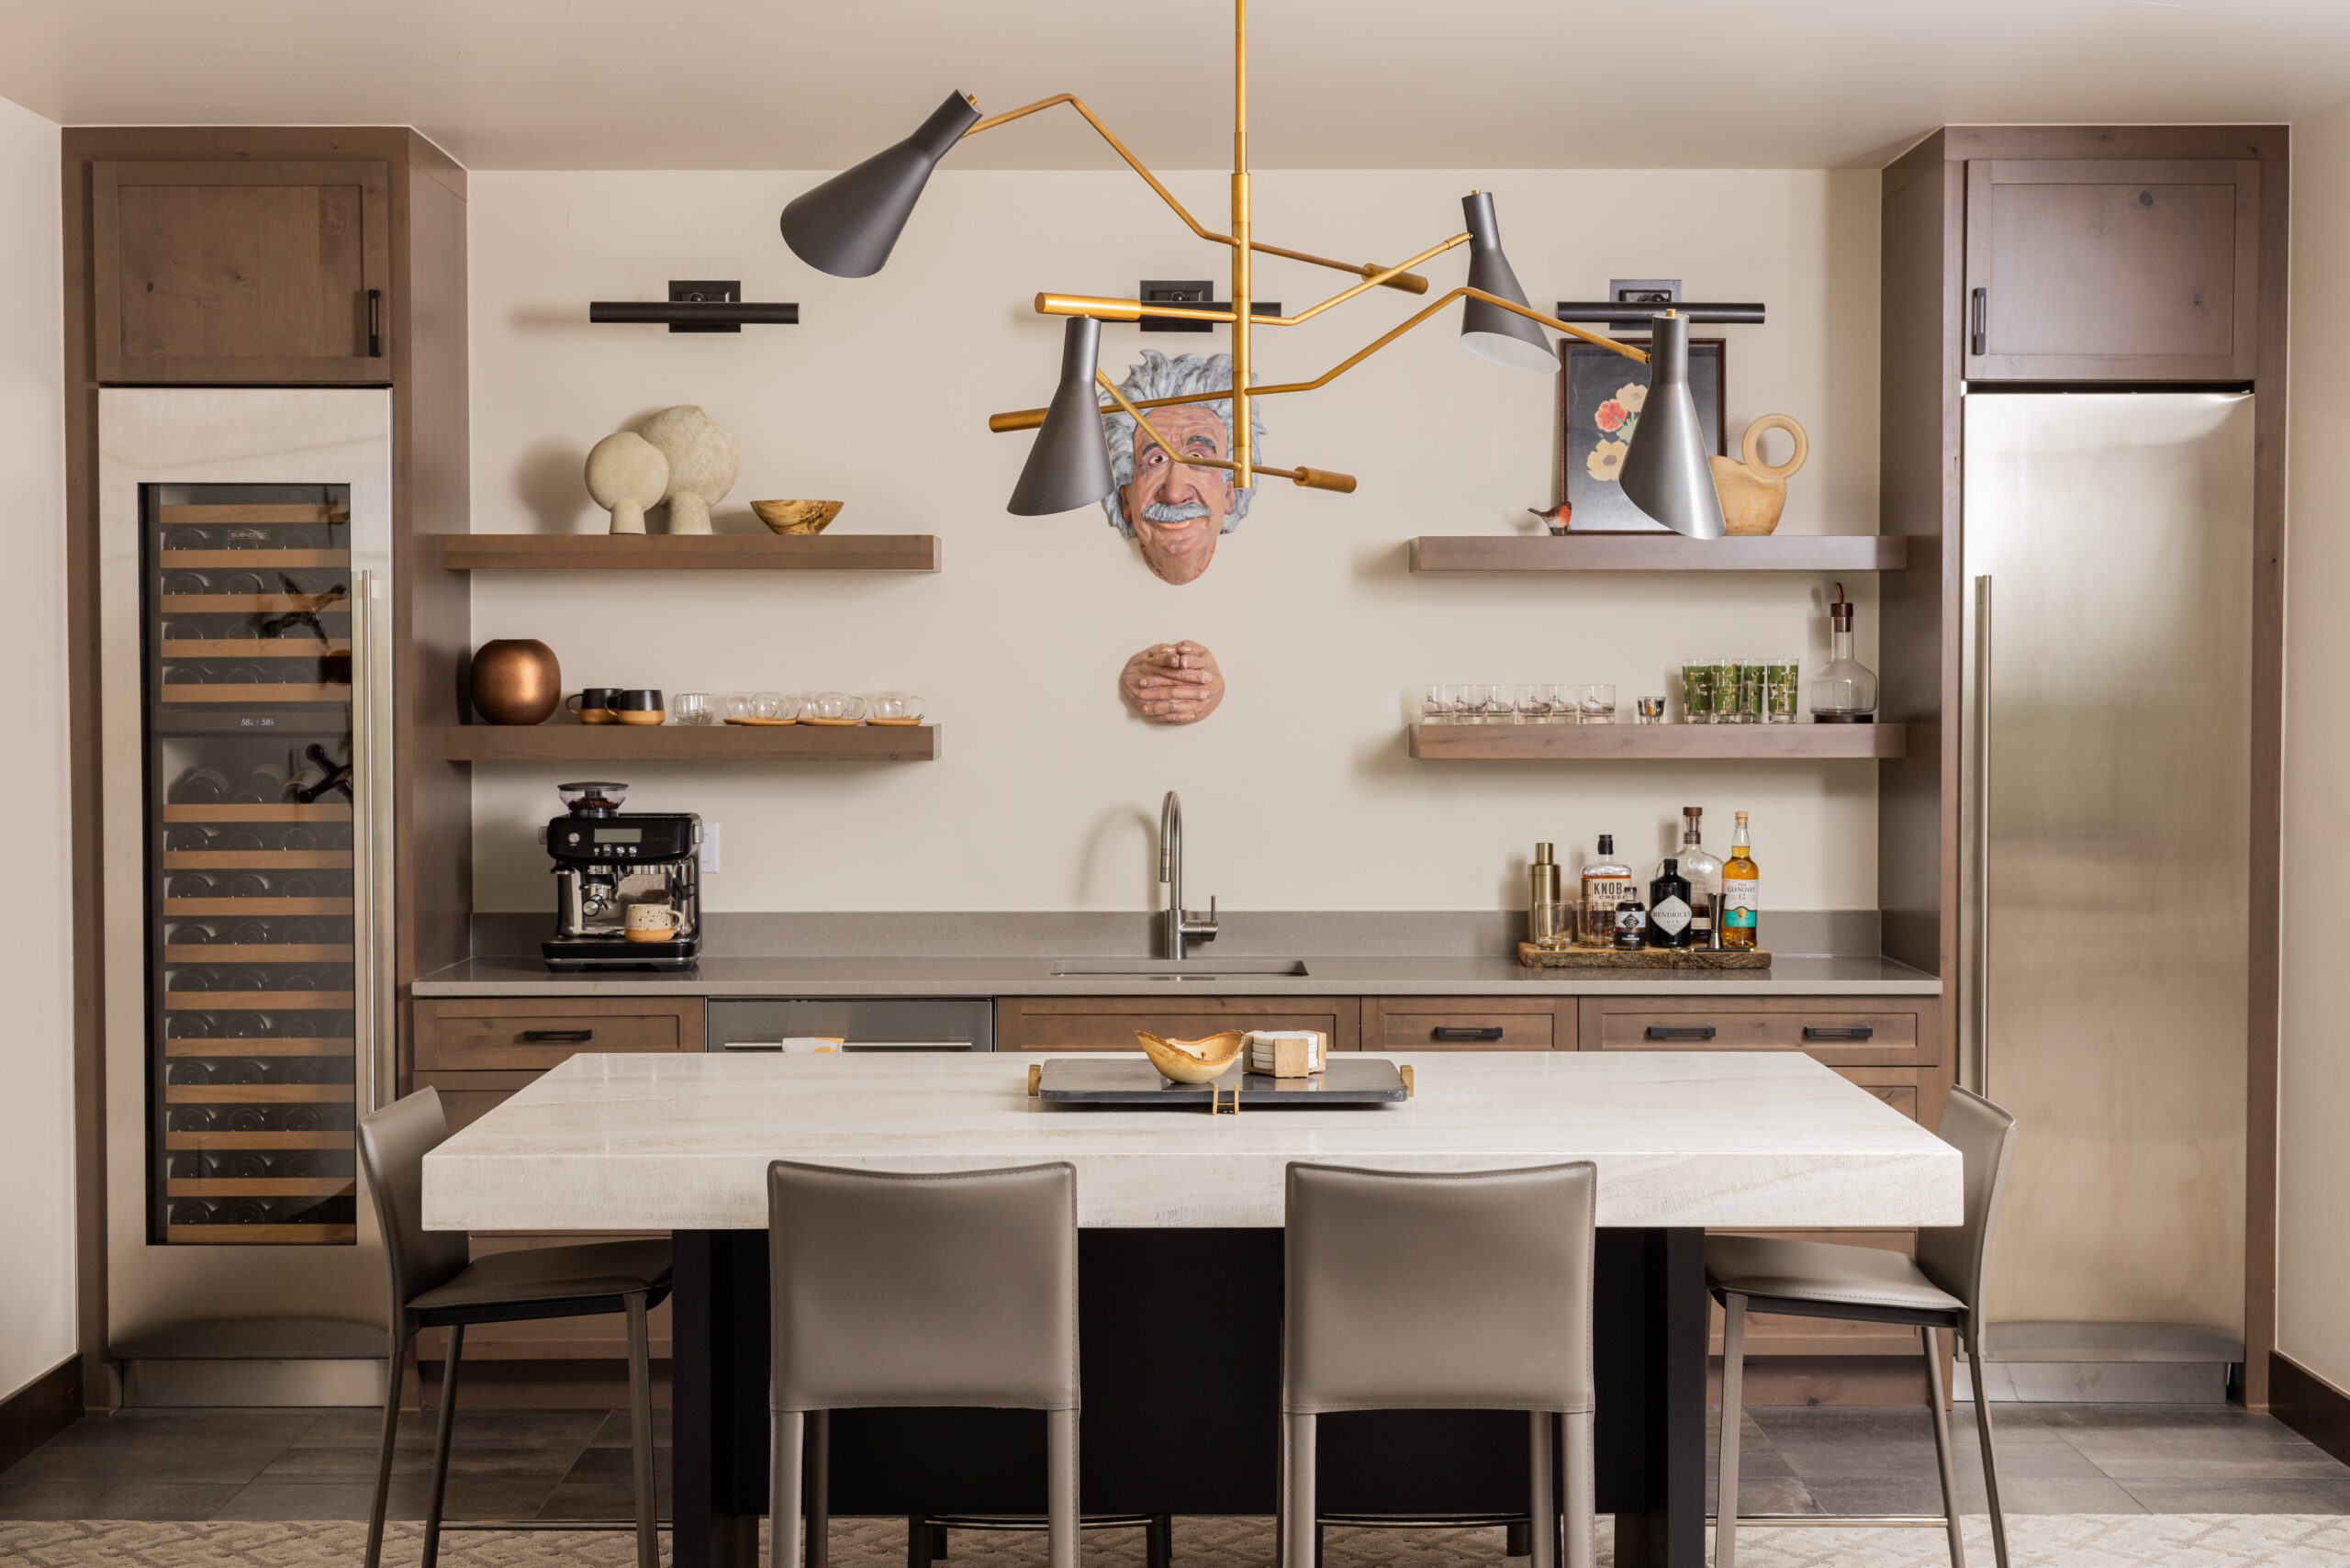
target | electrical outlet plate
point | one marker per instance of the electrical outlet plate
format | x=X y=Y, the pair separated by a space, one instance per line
x=708 y=855
x=1191 y=291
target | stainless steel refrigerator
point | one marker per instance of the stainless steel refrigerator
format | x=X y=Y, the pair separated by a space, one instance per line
x=246 y=697
x=2105 y=826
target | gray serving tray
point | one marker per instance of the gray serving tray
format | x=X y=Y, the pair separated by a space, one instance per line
x=1128 y=1082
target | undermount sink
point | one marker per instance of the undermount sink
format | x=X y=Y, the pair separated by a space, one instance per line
x=1176 y=969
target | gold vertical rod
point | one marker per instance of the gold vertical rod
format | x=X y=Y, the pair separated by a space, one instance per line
x=1242 y=417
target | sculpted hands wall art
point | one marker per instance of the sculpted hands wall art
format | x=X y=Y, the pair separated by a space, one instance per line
x=1173 y=683
x=1174 y=511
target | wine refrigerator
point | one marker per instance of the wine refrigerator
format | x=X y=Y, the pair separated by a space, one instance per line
x=246 y=689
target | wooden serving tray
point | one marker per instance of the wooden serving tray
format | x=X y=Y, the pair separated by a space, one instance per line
x=1129 y=1083
x=1534 y=957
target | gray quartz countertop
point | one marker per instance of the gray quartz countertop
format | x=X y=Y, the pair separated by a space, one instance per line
x=1008 y=975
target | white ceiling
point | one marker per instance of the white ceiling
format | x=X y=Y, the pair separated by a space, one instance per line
x=1370 y=84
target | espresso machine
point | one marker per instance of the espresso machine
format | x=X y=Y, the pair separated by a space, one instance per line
x=609 y=862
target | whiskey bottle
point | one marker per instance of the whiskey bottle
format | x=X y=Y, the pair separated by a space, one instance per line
x=1607 y=883
x=1703 y=872
x=1741 y=893
x=1670 y=919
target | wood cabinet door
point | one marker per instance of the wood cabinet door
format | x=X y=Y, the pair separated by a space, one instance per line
x=237 y=274
x=1468 y=1022
x=2097 y=270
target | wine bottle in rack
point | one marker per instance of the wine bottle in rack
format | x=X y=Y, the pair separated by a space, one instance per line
x=245 y=536
x=248 y=934
x=196 y=978
x=192 y=1211
x=244 y=885
x=188 y=885
x=248 y=980
x=246 y=1071
x=246 y=1027
x=185 y=672
x=242 y=840
x=189 y=536
x=305 y=1119
x=185 y=632
x=186 y=583
x=247 y=1211
x=294 y=1070
x=265 y=785
x=299 y=934
x=200 y=787
x=238 y=675
x=299 y=839
x=191 y=933
x=302 y=885
x=192 y=1026
x=188 y=837
x=195 y=1119
x=238 y=582
x=245 y=1166
x=301 y=1165
x=192 y=1168
x=246 y=1119
x=189 y=1070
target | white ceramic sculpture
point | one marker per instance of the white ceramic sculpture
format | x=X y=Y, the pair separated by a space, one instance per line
x=702 y=460
x=626 y=474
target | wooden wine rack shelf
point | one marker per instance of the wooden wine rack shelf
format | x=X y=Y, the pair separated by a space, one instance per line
x=261 y=1187
x=251 y=648
x=257 y=1001
x=256 y=860
x=254 y=513
x=260 y=1235
x=268 y=1046
x=174 y=908
x=247 y=693
x=200 y=560
x=256 y=1142
x=249 y=813
x=245 y=603
x=257 y=1093
x=258 y=953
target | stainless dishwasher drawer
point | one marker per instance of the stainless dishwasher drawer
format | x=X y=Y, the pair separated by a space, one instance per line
x=872 y=1023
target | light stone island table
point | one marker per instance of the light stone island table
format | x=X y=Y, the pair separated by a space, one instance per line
x=1181 y=1213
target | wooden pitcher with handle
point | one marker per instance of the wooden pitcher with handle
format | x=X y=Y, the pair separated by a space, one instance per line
x=1754 y=492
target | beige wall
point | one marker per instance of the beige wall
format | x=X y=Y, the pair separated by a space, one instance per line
x=2314 y=1229
x=1299 y=794
x=37 y=963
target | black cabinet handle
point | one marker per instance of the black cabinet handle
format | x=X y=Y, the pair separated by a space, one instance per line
x=558 y=1037
x=1982 y=321
x=375 y=326
x=1681 y=1031
x=1459 y=1032
x=1841 y=1032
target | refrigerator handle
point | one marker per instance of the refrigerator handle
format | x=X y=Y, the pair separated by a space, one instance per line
x=1979 y=998
x=367 y=933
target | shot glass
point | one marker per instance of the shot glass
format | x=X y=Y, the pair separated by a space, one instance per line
x=1650 y=711
x=1781 y=685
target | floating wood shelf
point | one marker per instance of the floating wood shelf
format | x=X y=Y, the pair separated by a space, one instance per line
x=1633 y=742
x=688 y=553
x=690 y=742
x=1658 y=553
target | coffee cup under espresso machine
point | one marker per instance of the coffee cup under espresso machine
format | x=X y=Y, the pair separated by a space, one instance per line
x=628 y=884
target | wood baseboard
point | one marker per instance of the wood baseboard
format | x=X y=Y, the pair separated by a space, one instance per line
x=2310 y=1404
x=41 y=1410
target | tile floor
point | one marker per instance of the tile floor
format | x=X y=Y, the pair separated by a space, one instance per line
x=277 y=1464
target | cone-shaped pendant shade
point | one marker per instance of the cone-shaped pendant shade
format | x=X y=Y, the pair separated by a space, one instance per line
x=1069 y=465
x=1665 y=474
x=847 y=225
x=1488 y=330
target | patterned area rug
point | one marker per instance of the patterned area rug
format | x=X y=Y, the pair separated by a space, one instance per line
x=2051 y=1541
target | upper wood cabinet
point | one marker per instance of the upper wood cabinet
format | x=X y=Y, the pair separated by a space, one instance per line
x=2109 y=270
x=241 y=273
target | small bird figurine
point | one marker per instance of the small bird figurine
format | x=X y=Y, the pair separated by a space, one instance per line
x=1555 y=519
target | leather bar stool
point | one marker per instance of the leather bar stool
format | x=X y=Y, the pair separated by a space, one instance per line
x=932 y=1289
x=1454 y=1292
x=1942 y=1288
x=433 y=1286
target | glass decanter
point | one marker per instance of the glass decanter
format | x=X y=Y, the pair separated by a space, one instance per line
x=1844 y=692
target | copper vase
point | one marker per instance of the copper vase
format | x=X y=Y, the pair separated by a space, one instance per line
x=516 y=681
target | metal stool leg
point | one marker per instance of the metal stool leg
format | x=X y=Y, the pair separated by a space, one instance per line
x=1733 y=1412
x=1582 y=1517
x=787 y=1453
x=1517 y=1539
x=1941 y=1446
x=818 y=1472
x=1542 y=1526
x=397 y=1374
x=1158 y=1542
x=1301 y=1544
x=1060 y=1468
x=1990 y=1465
x=640 y=1410
x=440 y=1444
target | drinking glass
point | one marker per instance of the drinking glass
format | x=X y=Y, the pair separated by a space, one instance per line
x=1651 y=710
x=1534 y=702
x=691 y=708
x=1781 y=689
x=1437 y=706
x=1550 y=923
x=1476 y=697
x=1750 y=692
x=737 y=706
x=774 y=707
x=1697 y=694
x=1725 y=693
x=1599 y=703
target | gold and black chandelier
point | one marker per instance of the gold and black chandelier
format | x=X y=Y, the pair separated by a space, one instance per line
x=848 y=225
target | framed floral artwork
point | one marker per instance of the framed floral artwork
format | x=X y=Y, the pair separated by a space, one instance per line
x=1600 y=395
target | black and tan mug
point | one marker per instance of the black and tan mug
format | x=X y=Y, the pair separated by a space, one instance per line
x=594 y=705
x=638 y=708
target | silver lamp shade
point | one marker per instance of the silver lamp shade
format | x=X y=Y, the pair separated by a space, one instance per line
x=1069 y=465
x=1666 y=474
x=1487 y=330
x=847 y=225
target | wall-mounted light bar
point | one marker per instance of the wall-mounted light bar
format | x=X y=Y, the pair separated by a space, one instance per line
x=1615 y=314
x=697 y=305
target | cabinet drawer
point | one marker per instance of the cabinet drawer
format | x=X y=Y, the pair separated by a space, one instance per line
x=1468 y=1024
x=1108 y=1023
x=495 y=1035
x=1841 y=1031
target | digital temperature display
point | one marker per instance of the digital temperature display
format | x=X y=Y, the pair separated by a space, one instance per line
x=620 y=836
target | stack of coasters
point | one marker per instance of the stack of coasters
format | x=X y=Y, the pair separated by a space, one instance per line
x=1287 y=1053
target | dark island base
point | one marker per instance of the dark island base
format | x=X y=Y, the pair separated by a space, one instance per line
x=1194 y=1430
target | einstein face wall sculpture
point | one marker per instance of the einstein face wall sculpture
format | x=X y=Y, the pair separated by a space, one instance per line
x=1172 y=508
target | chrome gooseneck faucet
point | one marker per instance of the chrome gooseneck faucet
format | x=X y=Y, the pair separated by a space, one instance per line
x=1183 y=926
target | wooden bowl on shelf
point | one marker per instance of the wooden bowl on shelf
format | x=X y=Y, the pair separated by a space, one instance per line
x=798 y=520
x=1192 y=1061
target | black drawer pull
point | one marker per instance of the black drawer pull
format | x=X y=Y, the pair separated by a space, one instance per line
x=558 y=1037
x=375 y=323
x=1681 y=1031
x=1838 y=1032
x=1461 y=1032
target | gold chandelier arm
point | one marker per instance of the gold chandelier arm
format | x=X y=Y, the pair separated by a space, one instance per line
x=1029 y=419
x=1391 y=277
x=1344 y=294
x=1304 y=478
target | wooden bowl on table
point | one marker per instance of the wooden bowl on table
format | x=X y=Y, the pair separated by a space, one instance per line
x=797 y=518
x=1193 y=1062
